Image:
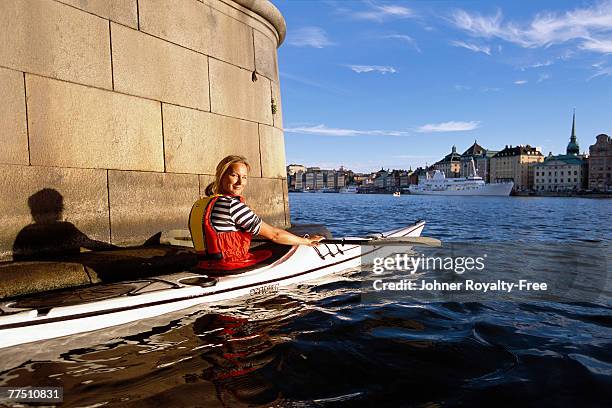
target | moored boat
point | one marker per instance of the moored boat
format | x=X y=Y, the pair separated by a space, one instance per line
x=348 y=190
x=85 y=309
x=473 y=185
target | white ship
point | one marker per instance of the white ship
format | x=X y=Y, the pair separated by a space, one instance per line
x=473 y=185
x=348 y=190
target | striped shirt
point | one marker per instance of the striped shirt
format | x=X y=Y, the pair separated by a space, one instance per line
x=229 y=214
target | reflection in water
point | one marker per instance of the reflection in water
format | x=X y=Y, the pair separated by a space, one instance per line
x=322 y=345
x=240 y=349
x=48 y=237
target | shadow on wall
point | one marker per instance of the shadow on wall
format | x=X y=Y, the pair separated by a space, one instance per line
x=48 y=238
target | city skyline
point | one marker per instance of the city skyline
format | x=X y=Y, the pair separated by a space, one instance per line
x=395 y=84
x=583 y=151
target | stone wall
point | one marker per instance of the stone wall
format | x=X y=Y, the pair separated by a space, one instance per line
x=124 y=107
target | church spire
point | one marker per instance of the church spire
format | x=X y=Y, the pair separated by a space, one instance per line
x=573 y=137
x=572 y=146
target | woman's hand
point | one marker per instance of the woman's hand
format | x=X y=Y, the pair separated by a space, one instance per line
x=314 y=240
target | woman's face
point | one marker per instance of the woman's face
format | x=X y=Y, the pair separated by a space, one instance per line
x=235 y=179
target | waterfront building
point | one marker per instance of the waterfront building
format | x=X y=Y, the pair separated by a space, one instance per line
x=481 y=157
x=563 y=172
x=294 y=168
x=361 y=179
x=299 y=180
x=515 y=164
x=340 y=179
x=313 y=179
x=600 y=164
x=295 y=176
x=291 y=182
x=381 y=179
x=395 y=179
x=318 y=181
x=450 y=165
x=404 y=178
x=330 y=179
x=416 y=175
x=309 y=182
x=560 y=173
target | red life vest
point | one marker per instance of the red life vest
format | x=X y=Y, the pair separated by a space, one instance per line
x=220 y=250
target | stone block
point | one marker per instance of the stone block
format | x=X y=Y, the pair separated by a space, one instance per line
x=76 y=126
x=265 y=55
x=55 y=40
x=121 y=11
x=272 y=146
x=265 y=197
x=199 y=27
x=233 y=93
x=21 y=278
x=205 y=180
x=244 y=15
x=286 y=201
x=232 y=40
x=83 y=192
x=276 y=95
x=147 y=66
x=13 y=131
x=143 y=203
x=196 y=141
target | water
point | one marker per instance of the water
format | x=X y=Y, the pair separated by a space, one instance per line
x=326 y=344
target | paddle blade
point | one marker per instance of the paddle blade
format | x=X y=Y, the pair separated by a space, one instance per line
x=424 y=241
x=391 y=241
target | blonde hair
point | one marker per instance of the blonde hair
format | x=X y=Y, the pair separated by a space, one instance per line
x=222 y=168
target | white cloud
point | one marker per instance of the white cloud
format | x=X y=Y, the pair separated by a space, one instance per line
x=591 y=27
x=308 y=37
x=379 y=13
x=322 y=130
x=327 y=87
x=603 y=46
x=366 y=166
x=537 y=65
x=459 y=87
x=520 y=82
x=472 y=47
x=450 y=126
x=302 y=80
x=602 y=69
x=405 y=38
x=373 y=68
x=543 y=77
x=407 y=156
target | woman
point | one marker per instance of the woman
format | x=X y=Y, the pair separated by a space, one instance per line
x=222 y=225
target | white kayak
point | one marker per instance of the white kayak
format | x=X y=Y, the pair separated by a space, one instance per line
x=84 y=309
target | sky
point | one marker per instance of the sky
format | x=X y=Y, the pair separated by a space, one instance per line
x=395 y=84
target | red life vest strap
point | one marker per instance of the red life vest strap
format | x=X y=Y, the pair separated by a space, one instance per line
x=213 y=250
